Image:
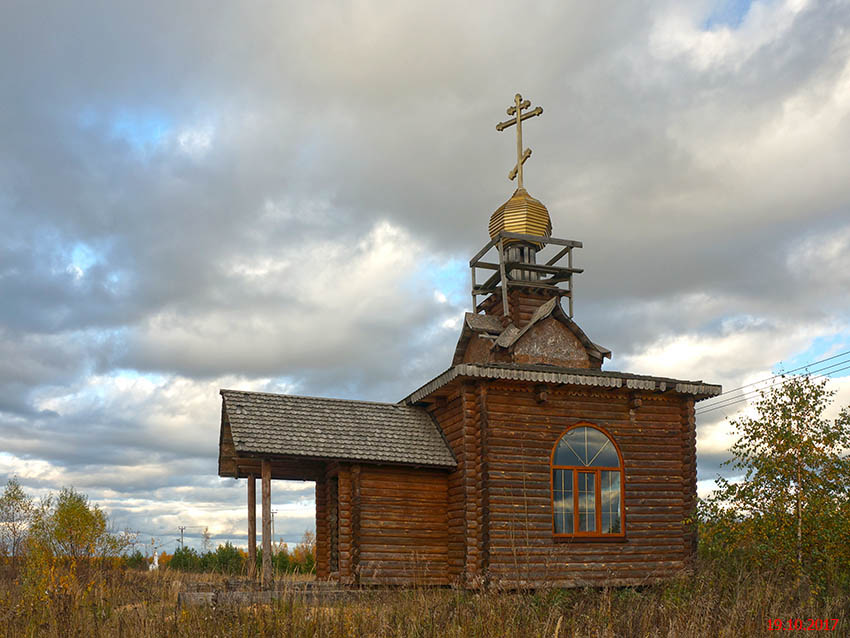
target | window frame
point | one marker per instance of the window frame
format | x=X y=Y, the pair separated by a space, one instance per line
x=597 y=472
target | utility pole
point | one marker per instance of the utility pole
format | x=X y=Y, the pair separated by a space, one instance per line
x=181 y=527
x=273 y=513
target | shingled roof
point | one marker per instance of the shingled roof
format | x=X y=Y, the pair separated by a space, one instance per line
x=319 y=428
x=566 y=376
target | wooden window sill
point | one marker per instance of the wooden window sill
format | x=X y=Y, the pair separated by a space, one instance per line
x=590 y=539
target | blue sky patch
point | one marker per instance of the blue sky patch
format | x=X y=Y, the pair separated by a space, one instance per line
x=135 y=375
x=142 y=129
x=727 y=13
x=821 y=348
x=451 y=278
x=82 y=256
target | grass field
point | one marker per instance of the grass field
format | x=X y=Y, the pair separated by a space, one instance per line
x=710 y=602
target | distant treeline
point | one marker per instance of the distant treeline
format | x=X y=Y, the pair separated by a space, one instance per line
x=228 y=559
x=67 y=532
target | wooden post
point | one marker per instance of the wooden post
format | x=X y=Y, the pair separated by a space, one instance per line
x=484 y=482
x=267 y=521
x=355 y=523
x=474 y=296
x=505 y=307
x=252 y=526
x=570 y=266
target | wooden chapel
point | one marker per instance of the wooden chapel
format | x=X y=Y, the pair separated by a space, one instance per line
x=524 y=464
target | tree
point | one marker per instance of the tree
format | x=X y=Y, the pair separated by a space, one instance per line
x=227 y=559
x=304 y=553
x=791 y=507
x=136 y=560
x=71 y=527
x=185 y=559
x=16 y=515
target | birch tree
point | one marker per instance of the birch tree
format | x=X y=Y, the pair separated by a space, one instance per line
x=16 y=515
x=789 y=506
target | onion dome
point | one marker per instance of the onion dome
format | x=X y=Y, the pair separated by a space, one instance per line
x=521 y=214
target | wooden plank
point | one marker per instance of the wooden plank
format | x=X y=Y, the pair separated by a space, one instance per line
x=543 y=268
x=322 y=529
x=267 y=521
x=504 y=279
x=541 y=240
x=252 y=526
x=561 y=253
x=355 y=521
x=482 y=252
x=484 y=479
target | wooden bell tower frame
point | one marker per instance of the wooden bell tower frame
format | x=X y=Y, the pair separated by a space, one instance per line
x=550 y=274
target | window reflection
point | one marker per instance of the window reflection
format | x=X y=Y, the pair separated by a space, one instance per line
x=562 y=482
x=610 y=496
x=578 y=480
x=586 y=447
x=586 y=502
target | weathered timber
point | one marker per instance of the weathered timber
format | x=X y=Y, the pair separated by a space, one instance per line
x=266 y=471
x=252 y=526
x=322 y=530
x=520 y=434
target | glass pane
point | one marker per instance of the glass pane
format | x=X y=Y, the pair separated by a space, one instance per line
x=570 y=450
x=586 y=502
x=600 y=450
x=586 y=447
x=562 y=484
x=610 y=503
x=606 y=455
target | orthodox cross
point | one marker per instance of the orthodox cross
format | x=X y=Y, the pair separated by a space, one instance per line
x=517 y=110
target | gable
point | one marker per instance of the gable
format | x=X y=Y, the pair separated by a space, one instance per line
x=549 y=337
x=551 y=342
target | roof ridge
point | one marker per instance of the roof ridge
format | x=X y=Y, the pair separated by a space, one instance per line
x=306 y=396
x=544 y=367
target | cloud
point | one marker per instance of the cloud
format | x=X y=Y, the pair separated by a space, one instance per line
x=285 y=197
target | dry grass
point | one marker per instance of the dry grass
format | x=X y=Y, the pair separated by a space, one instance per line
x=708 y=603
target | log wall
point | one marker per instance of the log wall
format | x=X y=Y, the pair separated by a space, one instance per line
x=657 y=443
x=402 y=537
x=451 y=416
x=490 y=520
x=322 y=529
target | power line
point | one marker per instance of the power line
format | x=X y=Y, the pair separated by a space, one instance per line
x=775 y=376
x=750 y=395
x=780 y=378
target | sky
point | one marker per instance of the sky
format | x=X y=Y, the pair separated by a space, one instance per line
x=284 y=197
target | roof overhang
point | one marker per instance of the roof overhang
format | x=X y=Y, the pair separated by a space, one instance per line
x=564 y=376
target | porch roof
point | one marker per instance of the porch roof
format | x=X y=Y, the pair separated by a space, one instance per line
x=314 y=428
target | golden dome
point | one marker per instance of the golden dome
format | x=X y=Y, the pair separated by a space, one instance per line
x=521 y=214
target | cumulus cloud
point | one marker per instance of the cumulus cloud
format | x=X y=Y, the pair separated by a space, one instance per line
x=284 y=197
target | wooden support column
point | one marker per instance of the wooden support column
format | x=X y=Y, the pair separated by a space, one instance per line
x=469 y=482
x=267 y=521
x=484 y=482
x=252 y=526
x=506 y=310
x=355 y=523
x=689 y=479
x=322 y=531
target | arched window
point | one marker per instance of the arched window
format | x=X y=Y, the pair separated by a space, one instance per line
x=587 y=484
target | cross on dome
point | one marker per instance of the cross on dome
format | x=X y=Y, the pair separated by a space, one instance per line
x=521 y=155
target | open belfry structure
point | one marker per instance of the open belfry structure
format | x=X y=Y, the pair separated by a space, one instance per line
x=522 y=465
